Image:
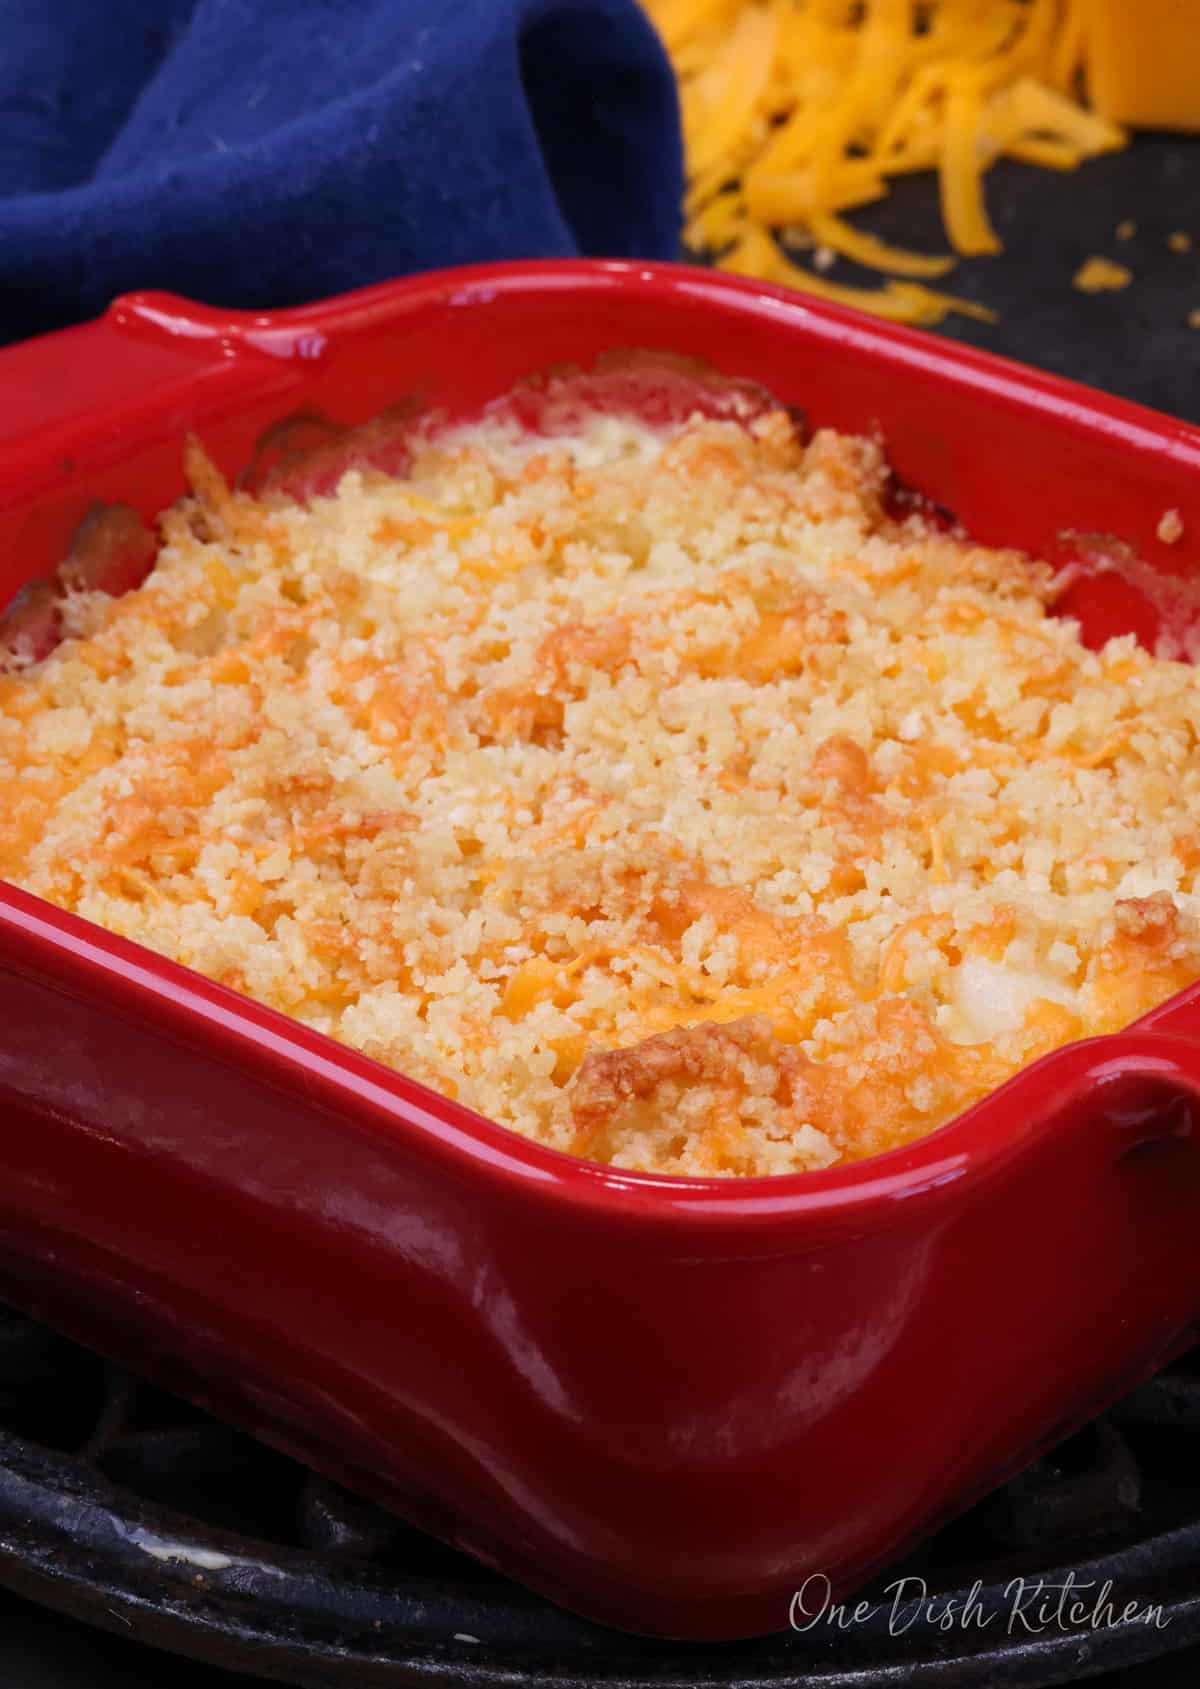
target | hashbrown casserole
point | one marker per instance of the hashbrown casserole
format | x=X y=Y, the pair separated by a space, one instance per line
x=654 y=791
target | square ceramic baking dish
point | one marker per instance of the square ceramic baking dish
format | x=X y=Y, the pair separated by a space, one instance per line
x=661 y=1402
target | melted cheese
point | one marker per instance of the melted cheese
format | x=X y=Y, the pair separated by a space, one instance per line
x=995 y=1000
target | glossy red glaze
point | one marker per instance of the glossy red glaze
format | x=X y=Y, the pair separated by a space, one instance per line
x=661 y=1402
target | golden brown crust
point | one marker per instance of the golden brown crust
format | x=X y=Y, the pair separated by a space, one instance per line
x=654 y=791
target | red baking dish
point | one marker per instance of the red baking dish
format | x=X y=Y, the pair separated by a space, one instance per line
x=661 y=1402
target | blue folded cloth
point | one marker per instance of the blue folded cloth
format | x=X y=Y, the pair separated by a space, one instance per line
x=264 y=152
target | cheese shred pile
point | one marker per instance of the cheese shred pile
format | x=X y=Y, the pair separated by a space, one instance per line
x=796 y=112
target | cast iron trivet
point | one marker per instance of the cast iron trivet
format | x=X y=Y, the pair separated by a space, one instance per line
x=129 y=1509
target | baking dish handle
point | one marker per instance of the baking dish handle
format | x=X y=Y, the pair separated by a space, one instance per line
x=116 y=372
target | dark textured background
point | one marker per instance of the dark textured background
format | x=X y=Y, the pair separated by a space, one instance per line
x=1135 y=342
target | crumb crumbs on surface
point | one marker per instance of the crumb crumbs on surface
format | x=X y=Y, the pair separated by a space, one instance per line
x=1170 y=527
x=1126 y=229
x=1179 y=241
x=654 y=792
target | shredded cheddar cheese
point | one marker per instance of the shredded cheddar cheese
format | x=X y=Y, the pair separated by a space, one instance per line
x=796 y=112
x=1102 y=275
x=654 y=792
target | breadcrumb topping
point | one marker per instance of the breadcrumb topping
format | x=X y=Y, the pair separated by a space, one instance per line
x=1170 y=527
x=652 y=791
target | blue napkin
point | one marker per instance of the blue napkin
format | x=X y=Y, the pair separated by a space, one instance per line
x=265 y=152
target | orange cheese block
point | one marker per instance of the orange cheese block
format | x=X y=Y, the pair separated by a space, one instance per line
x=1144 y=62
